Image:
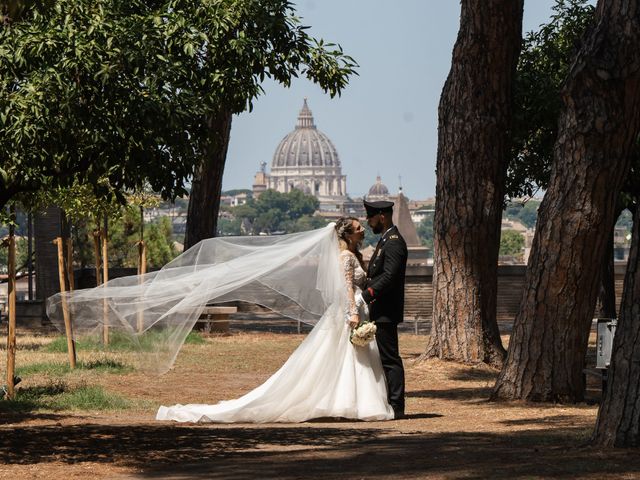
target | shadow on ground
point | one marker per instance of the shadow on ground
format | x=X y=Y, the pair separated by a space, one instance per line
x=474 y=375
x=288 y=452
x=464 y=393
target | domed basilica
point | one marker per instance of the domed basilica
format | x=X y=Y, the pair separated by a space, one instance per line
x=306 y=160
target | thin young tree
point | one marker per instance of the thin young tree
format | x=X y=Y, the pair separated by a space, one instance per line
x=475 y=116
x=592 y=156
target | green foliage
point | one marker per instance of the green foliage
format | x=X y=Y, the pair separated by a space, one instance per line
x=158 y=238
x=227 y=226
x=75 y=91
x=526 y=213
x=274 y=212
x=89 y=397
x=511 y=243
x=115 y=94
x=425 y=232
x=21 y=256
x=542 y=68
x=58 y=395
x=105 y=365
x=307 y=222
x=238 y=191
x=124 y=233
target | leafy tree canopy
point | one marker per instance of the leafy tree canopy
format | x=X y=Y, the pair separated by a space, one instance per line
x=542 y=68
x=124 y=233
x=238 y=191
x=526 y=213
x=511 y=242
x=118 y=90
x=274 y=212
x=425 y=231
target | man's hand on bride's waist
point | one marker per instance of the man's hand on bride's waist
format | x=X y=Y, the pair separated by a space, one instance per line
x=368 y=295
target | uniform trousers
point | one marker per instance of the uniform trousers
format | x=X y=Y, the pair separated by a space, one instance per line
x=387 y=340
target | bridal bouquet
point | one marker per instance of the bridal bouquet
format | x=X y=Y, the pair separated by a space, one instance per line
x=363 y=333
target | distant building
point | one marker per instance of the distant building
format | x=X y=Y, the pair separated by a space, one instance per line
x=378 y=191
x=260 y=181
x=306 y=160
x=402 y=218
x=420 y=213
x=234 y=200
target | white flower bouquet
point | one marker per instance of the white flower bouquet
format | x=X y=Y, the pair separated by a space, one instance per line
x=363 y=333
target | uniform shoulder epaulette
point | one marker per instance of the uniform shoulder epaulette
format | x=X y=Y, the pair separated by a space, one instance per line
x=392 y=237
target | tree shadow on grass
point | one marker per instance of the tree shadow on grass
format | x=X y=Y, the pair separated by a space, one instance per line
x=29 y=399
x=304 y=451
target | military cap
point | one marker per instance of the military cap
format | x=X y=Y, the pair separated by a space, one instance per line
x=374 y=208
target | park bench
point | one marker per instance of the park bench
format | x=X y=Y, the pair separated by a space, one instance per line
x=215 y=318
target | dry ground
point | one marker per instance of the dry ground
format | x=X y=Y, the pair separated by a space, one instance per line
x=451 y=430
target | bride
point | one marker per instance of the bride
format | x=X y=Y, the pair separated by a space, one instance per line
x=311 y=276
x=325 y=377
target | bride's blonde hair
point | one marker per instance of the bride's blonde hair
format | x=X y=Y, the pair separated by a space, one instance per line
x=344 y=227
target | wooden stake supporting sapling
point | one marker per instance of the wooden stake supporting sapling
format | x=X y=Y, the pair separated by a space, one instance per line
x=68 y=327
x=11 y=335
x=105 y=278
x=142 y=266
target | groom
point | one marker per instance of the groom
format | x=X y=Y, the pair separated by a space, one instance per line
x=384 y=293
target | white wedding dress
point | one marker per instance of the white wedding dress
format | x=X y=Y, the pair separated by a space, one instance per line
x=326 y=376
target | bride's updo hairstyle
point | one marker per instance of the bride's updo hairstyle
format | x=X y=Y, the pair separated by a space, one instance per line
x=344 y=227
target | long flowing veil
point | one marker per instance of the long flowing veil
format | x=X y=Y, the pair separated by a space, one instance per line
x=297 y=275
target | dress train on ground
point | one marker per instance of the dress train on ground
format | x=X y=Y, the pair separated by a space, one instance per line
x=326 y=376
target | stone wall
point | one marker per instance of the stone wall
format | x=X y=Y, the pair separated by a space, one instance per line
x=419 y=292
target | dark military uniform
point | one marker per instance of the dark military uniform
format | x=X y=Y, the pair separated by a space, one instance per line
x=384 y=293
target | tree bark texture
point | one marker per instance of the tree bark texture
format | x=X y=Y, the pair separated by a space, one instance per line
x=596 y=132
x=475 y=116
x=204 y=199
x=618 y=423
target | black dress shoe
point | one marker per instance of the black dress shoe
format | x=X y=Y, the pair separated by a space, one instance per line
x=398 y=414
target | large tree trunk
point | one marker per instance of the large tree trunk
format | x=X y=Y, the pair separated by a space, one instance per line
x=475 y=115
x=597 y=129
x=204 y=200
x=618 y=421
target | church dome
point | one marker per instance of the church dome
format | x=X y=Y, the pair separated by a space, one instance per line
x=378 y=189
x=306 y=146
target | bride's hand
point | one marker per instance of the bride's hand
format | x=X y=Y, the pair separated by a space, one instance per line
x=354 y=320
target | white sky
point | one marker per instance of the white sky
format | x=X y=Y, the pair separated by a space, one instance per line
x=386 y=120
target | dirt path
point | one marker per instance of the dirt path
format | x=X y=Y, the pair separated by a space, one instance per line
x=451 y=430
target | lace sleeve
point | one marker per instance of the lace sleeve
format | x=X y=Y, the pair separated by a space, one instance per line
x=348 y=266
